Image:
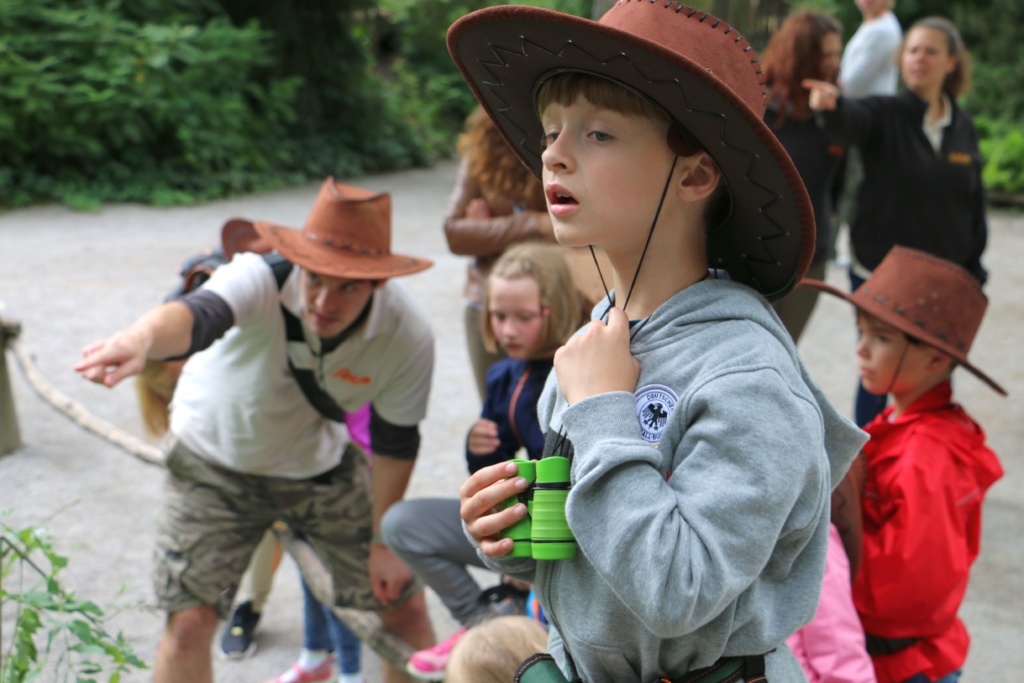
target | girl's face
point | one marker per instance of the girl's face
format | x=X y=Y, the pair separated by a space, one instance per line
x=516 y=317
x=887 y=362
x=926 y=61
x=831 y=54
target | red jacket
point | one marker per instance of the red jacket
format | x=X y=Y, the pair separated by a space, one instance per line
x=928 y=471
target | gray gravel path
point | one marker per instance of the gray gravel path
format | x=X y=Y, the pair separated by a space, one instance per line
x=70 y=278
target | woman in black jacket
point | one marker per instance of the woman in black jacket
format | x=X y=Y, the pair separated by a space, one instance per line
x=922 y=168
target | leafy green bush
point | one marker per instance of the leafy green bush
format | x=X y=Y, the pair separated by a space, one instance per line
x=55 y=633
x=1002 y=147
x=95 y=105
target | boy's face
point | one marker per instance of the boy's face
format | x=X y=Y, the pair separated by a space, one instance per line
x=604 y=173
x=887 y=361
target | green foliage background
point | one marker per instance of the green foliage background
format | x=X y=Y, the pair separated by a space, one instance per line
x=176 y=101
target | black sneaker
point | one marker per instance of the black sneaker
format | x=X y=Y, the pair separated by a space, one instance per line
x=239 y=638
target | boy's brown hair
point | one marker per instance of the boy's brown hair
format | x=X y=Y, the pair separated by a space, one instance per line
x=545 y=264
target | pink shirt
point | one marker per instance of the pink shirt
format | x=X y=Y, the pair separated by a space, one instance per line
x=831 y=647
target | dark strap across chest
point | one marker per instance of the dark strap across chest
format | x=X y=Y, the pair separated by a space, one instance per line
x=304 y=377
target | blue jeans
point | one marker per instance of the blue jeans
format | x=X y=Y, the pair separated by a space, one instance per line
x=324 y=631
x=867 y=405
x=948 y=678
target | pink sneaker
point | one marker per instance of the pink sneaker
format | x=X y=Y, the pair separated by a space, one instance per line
x=429 y=664
x=297 y=674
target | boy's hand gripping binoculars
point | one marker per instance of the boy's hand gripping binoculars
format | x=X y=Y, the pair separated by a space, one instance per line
x=544 y=533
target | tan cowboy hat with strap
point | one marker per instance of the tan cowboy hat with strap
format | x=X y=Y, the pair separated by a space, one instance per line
x=347 y=234
x=696 y=68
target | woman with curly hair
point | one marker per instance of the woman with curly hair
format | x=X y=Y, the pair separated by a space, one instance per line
x=496 y=203
x=807 y=45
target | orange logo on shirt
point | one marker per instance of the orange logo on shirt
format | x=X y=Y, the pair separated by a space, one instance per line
x=960 y=158
x=346 y=375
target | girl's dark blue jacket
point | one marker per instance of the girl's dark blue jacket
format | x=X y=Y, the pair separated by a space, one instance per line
x=513 y=387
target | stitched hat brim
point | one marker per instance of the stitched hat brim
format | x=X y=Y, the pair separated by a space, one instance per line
x=904 y=325
x=336 y=262
x=504 y=52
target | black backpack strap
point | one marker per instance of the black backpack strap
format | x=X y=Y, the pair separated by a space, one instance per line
x=306 y=379
x=539 y=668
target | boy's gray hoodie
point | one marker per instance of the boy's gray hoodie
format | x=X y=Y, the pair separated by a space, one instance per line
x=700 y=502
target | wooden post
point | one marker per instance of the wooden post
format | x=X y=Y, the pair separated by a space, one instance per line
x=10 y=435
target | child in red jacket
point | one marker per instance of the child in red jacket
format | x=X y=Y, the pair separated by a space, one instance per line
x=928 y=465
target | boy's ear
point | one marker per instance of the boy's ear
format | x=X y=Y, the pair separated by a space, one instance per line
x=700 y=176
x=938 y=361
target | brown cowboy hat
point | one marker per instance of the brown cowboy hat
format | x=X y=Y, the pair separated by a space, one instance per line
x=925 y=297
x=347 y=234
x=698 y=69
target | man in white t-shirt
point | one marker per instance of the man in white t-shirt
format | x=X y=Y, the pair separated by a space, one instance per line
x=278 y=349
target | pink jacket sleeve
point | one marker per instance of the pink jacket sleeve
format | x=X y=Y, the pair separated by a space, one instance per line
x=831 y=647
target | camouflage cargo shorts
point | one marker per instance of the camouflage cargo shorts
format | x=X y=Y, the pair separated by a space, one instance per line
x=213 y=519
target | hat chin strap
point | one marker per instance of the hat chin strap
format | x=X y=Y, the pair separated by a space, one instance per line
x=647 y=243
x=899 y=366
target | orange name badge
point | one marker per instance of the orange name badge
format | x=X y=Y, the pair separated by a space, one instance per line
x=960 y=158
x=346 y=375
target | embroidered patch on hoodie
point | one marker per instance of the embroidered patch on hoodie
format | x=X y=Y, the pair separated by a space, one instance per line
x=654 y=403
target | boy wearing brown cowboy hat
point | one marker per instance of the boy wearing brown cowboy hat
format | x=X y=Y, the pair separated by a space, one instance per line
x=702 y=454
x=927 y=464
x=265 y=340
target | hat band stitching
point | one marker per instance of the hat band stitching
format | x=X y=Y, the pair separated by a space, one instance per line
x=347 y=246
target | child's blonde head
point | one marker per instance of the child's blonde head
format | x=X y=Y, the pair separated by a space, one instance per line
x=545 y=264
x=155 y=386
x=492 y=651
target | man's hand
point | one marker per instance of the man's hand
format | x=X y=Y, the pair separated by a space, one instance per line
x=110 y=360
x=483 y=437
x=388 y=574
x=480 y=497
x=163 y=332
x=824 y=95
x=598 y=360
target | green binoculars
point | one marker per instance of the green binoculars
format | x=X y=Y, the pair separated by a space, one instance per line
x=544 y=533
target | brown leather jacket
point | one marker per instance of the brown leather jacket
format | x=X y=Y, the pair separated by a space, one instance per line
x=485 y=239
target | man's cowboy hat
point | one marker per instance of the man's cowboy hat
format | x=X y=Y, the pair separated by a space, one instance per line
x=690 y=64
x=347 y=234
x=925 y=297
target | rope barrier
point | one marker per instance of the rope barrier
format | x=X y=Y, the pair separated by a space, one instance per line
x=366 y=625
